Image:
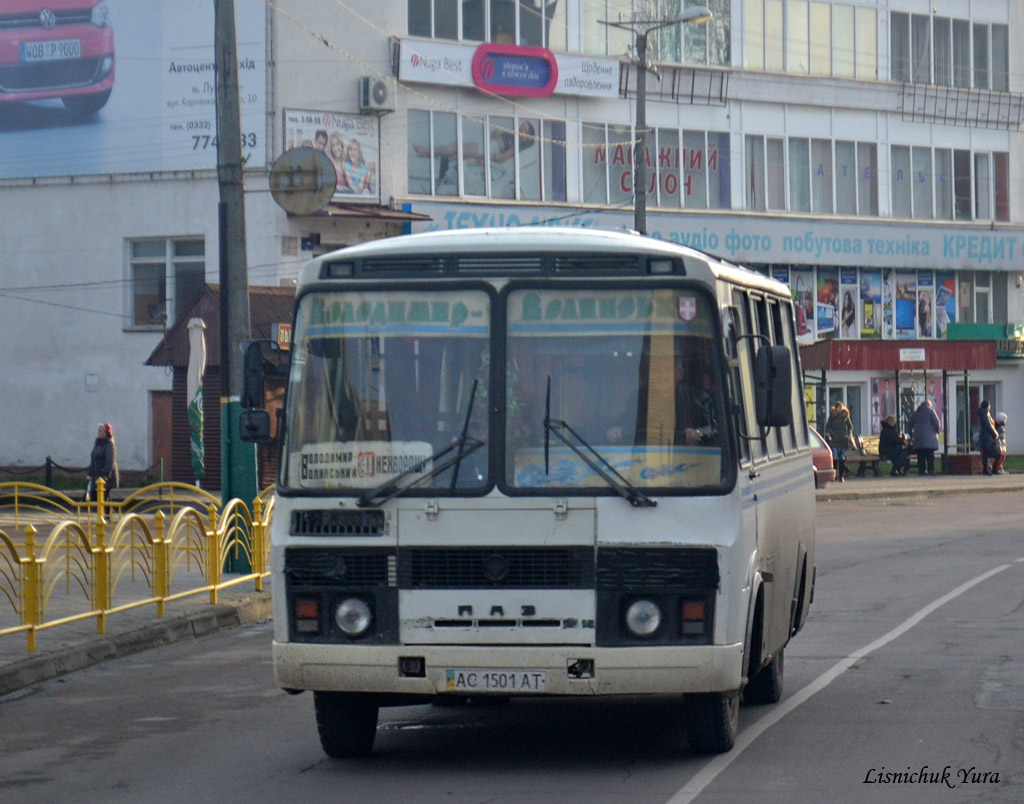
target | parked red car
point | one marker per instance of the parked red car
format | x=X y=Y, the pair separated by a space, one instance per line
x=824 y=468
x=57 y=49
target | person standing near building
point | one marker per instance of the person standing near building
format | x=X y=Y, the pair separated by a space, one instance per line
x=103 y=462
x=988 y=437
x=924 y=437
x=997 y=464
x=839 y=435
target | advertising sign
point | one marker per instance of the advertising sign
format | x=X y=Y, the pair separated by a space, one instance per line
x=161 y=111
x=515 y=70
x=350 y=141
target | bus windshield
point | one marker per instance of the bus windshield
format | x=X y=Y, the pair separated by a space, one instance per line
x=381 y=384
x=632 y=373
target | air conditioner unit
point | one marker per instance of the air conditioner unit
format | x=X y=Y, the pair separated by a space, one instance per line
x=375 y=95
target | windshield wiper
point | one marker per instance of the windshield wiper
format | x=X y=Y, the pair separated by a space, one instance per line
x=594 y=460
x=462 y=446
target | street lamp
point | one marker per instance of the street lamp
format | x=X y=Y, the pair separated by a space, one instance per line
x=695 y=15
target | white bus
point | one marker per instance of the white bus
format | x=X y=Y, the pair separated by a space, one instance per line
x=538 y=462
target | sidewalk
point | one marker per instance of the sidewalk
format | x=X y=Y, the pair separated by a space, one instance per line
x=76 y=646
x=915 y=485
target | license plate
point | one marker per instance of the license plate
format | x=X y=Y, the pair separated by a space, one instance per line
x=459 y=680
x=51 y=51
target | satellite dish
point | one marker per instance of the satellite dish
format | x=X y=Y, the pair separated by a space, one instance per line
x=302 y=180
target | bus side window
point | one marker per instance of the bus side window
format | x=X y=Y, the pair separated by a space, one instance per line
x=787 y=435
x=735 y=395
x=764 y=328
x=789 y=339
x=745 y=352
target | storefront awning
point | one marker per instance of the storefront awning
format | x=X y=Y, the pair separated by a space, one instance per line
x=891 y=356
x=366 y=212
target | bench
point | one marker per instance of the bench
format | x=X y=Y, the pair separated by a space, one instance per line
x=866 y=457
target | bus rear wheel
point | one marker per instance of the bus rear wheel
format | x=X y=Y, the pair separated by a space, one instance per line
x=346 y=723
x=714 y=721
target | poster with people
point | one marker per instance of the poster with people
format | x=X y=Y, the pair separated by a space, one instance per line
x=802 y=286
x=887 y=304
x=848 y=306
x=925 y=304
x=828 y=302
x=870 y=303
x=351 y=142
x=945 y=302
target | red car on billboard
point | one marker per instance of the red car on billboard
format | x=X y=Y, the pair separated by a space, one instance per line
x=57 y=49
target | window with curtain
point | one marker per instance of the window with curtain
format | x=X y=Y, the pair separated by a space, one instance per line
x=982 y=188
x=900 y=173
x=962 y=201
x=920 y=48
x=943 y=38
x=798 y=57
x=899 y=46
x=821 y=38
x=846 y=178
x=1001 y=58
x=821 y=178
x=554 y=159
x=595 y=164
x=922 y=182
x=961 y=53
x=867 y=178
x=799 y=175
x=753 y=34
x=754 y=183
x=719 y=160
x=1001 y=181
x=666 y=159
x=775 y=168
x=944 y=184
x=774 y=36
x=844 y=63
x=695 y=170
x=867 y=43
x=980 y=56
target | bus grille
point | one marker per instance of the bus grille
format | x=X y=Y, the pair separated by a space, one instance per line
x=337 y=523
x=687 y=569
x=496 y=567
x=339 y=568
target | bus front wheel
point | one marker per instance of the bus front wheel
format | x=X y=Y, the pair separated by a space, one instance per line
x=346 y=722
x=714 y=721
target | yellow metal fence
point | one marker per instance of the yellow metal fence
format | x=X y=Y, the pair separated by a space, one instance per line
x=164 y=542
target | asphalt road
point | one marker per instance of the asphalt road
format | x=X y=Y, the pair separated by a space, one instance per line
x=912 y=658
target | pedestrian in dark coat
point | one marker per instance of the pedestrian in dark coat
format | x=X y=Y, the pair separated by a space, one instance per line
x=924 y=437
x=988 y=437
x=103 y=461
x=839 y=435
x=892 y=444
x=997 y=464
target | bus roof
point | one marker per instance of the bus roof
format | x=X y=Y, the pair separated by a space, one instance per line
x=546 y=239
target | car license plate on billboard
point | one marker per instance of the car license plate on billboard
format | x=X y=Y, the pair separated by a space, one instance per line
x=53 y=50
x=523 y=681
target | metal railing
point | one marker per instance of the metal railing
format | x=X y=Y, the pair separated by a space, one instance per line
x=164 y=542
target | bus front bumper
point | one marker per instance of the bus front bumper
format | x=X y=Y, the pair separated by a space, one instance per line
x=566 y=670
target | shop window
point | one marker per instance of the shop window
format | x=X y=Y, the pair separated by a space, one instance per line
x=166 y=278
x=799 y=175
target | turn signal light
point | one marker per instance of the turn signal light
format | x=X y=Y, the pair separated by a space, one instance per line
x=307 y=615
x=694 y=615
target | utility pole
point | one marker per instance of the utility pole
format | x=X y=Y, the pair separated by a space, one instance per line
x=238 y=459
x=641 y=29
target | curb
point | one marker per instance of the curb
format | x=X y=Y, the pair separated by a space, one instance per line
x=60 y=661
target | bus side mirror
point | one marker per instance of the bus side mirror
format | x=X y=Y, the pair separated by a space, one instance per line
x=254 y=426
x=252 y=383
x=773 y=386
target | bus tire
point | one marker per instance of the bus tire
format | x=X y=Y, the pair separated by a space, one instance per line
x=766 y=686
x=346 y=723
x=714 y=721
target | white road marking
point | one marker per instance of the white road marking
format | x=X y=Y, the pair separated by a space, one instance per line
x=712 y=769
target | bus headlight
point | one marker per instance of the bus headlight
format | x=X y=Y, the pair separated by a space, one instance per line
x=643 y=617
x=353 y=617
